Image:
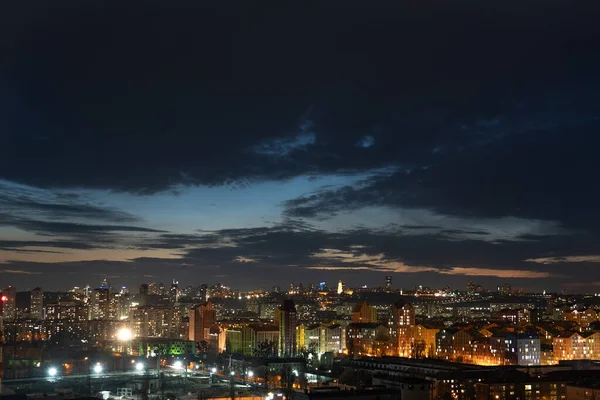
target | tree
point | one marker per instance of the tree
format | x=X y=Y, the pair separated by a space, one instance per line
x=310 y=355
x=419 y=349
x=348 y=377
x=203 y=347
x=266 y=348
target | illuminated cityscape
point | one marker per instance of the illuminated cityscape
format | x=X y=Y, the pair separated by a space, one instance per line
x=299 y=200
x=320 y=333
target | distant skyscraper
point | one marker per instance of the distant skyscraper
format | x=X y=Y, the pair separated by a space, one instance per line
x=143 y=295
x=204 y=292
x=9 y=310
x=100 y=304
x=116 y=306
x=202 y=317
x=152 y=288
x=505 y=289
x=285 y=319
x=388 y=283
x=36 y=308
x=174 y=292
x=471 y=287
x=340 y=288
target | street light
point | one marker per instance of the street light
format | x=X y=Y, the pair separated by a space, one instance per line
x=139 y=367
x=213 y=370
x=52 y=372
x=124 y=335
x=250 y=374
x=98 y=368
x=177 y=364
x=232 y=373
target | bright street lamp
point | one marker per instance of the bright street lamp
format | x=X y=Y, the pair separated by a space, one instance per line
x=213 y=370
x=250 y=374
x=139 y=367
x=98 y=368
x=52 y=371
x=124 y=335
x=178 y=364
x=232 y=373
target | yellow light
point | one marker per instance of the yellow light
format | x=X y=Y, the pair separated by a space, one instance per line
x=124 y=334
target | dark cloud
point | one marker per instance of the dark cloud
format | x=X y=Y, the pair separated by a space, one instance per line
x=280 y=256
x=68 y=228
x=473 y=110
x=210 y=96
x=533 y=175
x=28 y=206
x=60 y=244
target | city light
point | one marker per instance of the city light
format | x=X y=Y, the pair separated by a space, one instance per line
x=124 y=334
x=178 y=364
x=250 y=374
x=232 y=373
x=213 y=370
x=139 y=366
x=52 y=371
x=98 y=368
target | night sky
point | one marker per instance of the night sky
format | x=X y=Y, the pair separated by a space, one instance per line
x=259 y=143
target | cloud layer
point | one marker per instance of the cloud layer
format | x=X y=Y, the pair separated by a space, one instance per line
x=304 y=143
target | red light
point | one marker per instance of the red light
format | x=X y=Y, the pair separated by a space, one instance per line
x=4 y=298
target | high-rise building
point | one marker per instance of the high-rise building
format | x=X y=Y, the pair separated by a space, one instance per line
x=388 y=283
x=340 y=288
x=159 y=321
x=364 y=313
x=66 y=310
x=117 y=306
x=174 y=292
x=403 y=327
x=10 y=304
x=143 y=295
x=505 y=289
x=202 y=317
x=36 y=308
x=204 y=292
x=471 y=287
x=528 y=350
x=100 y=304
x=285 y=319
x=152 y=288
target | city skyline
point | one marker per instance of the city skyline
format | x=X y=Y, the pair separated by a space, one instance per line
x=238 y=145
